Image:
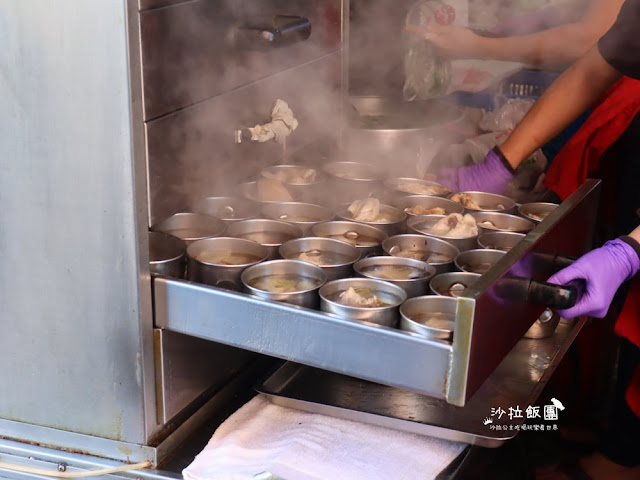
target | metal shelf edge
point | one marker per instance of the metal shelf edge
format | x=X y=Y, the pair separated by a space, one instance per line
x=313 y=338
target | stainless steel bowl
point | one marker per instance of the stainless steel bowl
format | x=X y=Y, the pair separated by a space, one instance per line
x=430 y=316
x=490 y=202
x=270 y=233
x=249 y=190
x=504 y=241
x=190 y=227
x=303 y=215
x=336 y=258
x=205 y=266
x=421 y=224
x=386 y=315
x=415 y=286
x=401 y=186
x=348 y=181
x=304 y=183
x=426 y=202
x=289 y=270
x=227 y=209
x=365 y=238
x=452 y=284
x=488 y=221
x=166 y=255
x=436 y=252
x=292 y=174
x=392 y=227
x=398 y=135
x=479 y=260
x=536 y=211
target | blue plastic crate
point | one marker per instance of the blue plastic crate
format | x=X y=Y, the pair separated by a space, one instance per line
x=523 y=84
x=529 y=84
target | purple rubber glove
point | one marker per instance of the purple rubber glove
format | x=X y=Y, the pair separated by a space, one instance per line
x=492 y=175
x=603 y=270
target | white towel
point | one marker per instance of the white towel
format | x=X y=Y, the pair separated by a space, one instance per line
x=295 y=445
x=282 y=124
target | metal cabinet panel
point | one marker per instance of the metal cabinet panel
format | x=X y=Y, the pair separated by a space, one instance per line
x=74 y=301
x=187 y=367
x=188 y=55
x=192 y=153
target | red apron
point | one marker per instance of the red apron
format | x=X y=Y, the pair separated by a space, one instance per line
x=579 y=159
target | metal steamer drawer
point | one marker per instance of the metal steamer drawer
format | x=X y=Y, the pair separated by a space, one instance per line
x=489 y=322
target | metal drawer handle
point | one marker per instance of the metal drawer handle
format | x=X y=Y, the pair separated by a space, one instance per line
x=279 y=30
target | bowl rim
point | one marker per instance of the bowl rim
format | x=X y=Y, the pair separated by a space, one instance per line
x=412 y=221
x=355 y=257
x=429 y=298
x=428 y=269
x=508 y=216
x=309 y=266
x=290 y=166
x=489 y=251
x=298 y=231
x=463 y=273
x=511 y=203
x=246 y=241
x=342 y=213
x=401 y=294
x=392 y=182
x=272 y=205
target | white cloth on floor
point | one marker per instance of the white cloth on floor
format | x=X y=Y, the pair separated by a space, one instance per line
x=296 y=445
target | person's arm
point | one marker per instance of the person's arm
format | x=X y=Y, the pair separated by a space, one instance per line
x=553 y=47
x=600 y=273
x=569 y=96
x=636 y=234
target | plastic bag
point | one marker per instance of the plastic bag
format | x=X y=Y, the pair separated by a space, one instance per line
x=507 y=116
x=426 y=75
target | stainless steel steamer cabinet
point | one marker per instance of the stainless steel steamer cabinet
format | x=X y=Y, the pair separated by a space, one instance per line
x=117 y=114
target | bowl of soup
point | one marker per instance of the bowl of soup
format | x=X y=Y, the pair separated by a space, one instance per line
x=388 y=219
x=463 y=235
x=366 y=299
x=220 y=261
x=484 y=202
x=227 y=209
x=190 y=227
x=270 y=233
x=429 y=316
x=365 y=238
x=478 y=260
x=302 y=182
x=436 y=252
x=166 y=255
x=407 y=273
x=500 y=240
x=537 y=211
x=303 y=215
x=336 y=258
x=415 y=186
x=289 y=281
x=502 y=222
x=452 y=284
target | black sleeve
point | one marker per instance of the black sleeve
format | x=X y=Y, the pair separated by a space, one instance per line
x=620 y=46
x=632 y=243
